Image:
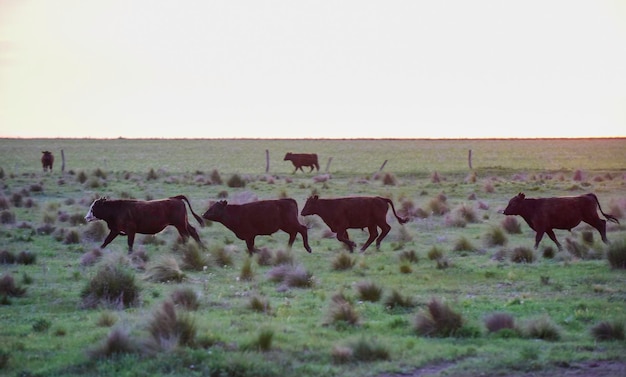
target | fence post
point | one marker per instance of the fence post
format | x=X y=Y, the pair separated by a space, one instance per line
x=62 y=161
x=267 y=161
x=469 y=159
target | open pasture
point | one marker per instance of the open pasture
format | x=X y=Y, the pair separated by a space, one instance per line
x=432 y=299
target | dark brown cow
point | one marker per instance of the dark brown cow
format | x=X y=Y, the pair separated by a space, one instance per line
x=302 y=159
x=261 y=218
x=47 y=159
x=342 y=214
x=128 y=217
x=545 y=214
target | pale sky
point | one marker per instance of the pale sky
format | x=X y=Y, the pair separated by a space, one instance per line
x=312 y=69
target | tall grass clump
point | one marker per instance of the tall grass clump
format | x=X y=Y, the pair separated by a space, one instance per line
x=463 y=244
x=193 y=258
x=247 y=272
x=343 y=262
x=368 y=350
x=259 y=304
x=118 y=342
x=369 y=291
x=542 y=328
x=262 y=342
x=396 y=301
x=607 y=331
x=511 y=225
x=215 y=177
x=113 y=285
x=236 y=181
x=438 y=320
x=523 y=255
x=169 y=329
x=8 y=287
x=616 y=254
x=165 y=270
x=501 y=323
x=185 y=298
x=341 y=311
x=495 y=237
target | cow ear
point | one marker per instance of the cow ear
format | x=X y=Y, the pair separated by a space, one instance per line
x=223 y=202
x=315 y=197
x=521 y=195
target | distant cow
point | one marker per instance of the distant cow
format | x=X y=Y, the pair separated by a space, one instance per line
x=342 y=214
x=545 y=214
x=47 y=159
x=261 y=218
x=302 y=159
x=128 y=217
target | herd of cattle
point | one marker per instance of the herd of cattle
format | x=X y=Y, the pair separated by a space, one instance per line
x=266 y=217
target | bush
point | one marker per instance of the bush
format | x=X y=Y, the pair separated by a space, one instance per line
x=409 y=256
x=5 y=356
x=616 y=254
x=221 y=257
x=235 y=181
x=605 y=330
x=118 y=342
x=26 y=258
x=41 y=325
x=435 y=253
x=168 y=329
x=438 y=320
x=369 y=291
x=522 y=255
x=463 y=244
x=369 y=350
x=6 y=257
x=165 y=270
x=71 y=237
x=247 y=272
x=395 y=300
x=263 y=341
x=193 y=258
x=511 y=225
x=186 y=298
x=8 y=287
x=495 y=237
x=107 y=319
x=542 y=328
x=341 y=311
x=259 y=304
x=499 y=321
x=216 y=179
x=7 y=217
x=113 y=286
x=343 y=262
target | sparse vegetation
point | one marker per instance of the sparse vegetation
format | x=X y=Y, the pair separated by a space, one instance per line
x=438 y=320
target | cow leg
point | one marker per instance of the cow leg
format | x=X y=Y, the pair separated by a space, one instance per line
x=342 y=236
x=373 y=234
x=194 y=234
x=538 y=238
x=250 y=245
x=385 y=228
x=131 y=240
x=552 y=236
x=600 y=225
x=305 y=238
x=110 y=237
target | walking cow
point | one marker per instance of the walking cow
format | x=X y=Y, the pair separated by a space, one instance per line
x=47 y=160
x=545 y=214
x=342 y=214
x=302 y=159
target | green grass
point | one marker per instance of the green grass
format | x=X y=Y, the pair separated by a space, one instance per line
x=47 y=333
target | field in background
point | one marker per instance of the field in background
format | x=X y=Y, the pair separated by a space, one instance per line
x=47 y=332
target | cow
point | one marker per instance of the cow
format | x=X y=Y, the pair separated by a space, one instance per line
x=302 y=159
x=260 y=218
x=47 y=159
x=341 y=214
x=545 y=214
x=128 y=217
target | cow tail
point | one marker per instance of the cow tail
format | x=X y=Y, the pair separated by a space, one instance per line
x=184 y=198
x=608 y=217
x=400 y=219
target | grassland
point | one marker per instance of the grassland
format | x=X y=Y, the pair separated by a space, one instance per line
x=323 y=327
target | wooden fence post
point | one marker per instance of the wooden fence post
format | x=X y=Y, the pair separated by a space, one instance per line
x=267 y=161
x=62 y=161
x=382 y=166
x=330 y=159
x=469 y=159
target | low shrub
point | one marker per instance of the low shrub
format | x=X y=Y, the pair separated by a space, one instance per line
x=216 y=179
x=264 y=257
x=341 y=311
x=259 y=304
x=113 y=285
x=463 y=244
x=435 y=253
x=41 y=325
x=616 y=254
x=107 y=319
x=5 y=356
x=185 y=298
x=495 y=237
x=438 y=320
x=7 y=217
x=364 y=350
x=8 y=287
x=607 y=331
x=511 y=225
x=409 y=256
x=7 y=257
x=522 y=255
x=165 y=270
x=263 y=341
x=542 y=328
x=395 y=300
x=118 y=342
x=91 y=257
x=369 y=291
x=193 y=258
x=221 y=257
x=497 y=322
x=25 y=257
x=169 y=329
x=343 y=261
x=235 y=181
x=247 y=272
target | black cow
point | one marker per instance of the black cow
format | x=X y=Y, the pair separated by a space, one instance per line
x=260 y=218
x=128 y=217
x=342 y=214
x=47 y=160
x=545 y=214
x=302 y=159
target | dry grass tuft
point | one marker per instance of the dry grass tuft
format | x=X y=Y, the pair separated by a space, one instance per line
x=439 y=320
x=169 y=329
x=165 y=270
x=608 y=331
x=343 y=261
x=369 y=291
x=341 y=311
x=118 y=342
x=185 y=298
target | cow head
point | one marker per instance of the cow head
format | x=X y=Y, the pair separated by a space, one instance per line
x=515 y=205
x=95 y=206
x=310 y=207
x=287 y=156
x=216 y=211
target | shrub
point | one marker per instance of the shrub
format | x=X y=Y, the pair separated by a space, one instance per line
x=605 y=330
x=443 y=263
x=91 y=257
x=215 y=177
x=107 y=319
x=152 y=175
x=616 y=254
x=113 y=286
x=263 y=341
x=343 y=262
x=71 y=237
x=4 y=202
x=499 y=321
x=7 y=217
x=193 y=258
x=549 y=252
x=542 y=328
x=299 y=277
x=369 y=291
x=264 y=257
x=409 y=256
x=5 y=356
x=9 y=288
x=495 y=237
x=165 y=270
x=390 y=180
x=511 y=225
x=6 y=257
x=41 y=325
x=463 y=244
x=247 y=272
x=221 y=257
x=341 y=354
x=522 y=255
x=235 y=181
x=186 y=298
x=435 y=253
x=438 y=207
x=259 y=304
x=369 y=350
x=118 y=342
x=438 y=320
x=26 y=258
x=395 y=300
x=81 y=177
x=17 y=199
x=341 y=311
x=283 y=257
x=169 y=329
x=467 y=213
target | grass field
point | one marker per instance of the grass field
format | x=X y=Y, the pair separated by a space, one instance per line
x=329 y=313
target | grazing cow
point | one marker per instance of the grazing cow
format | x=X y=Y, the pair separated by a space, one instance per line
x=356 y=212
x=128 y=217
x=302 y=159
x=47 y=159
x=261 y=218
x=545 y=214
